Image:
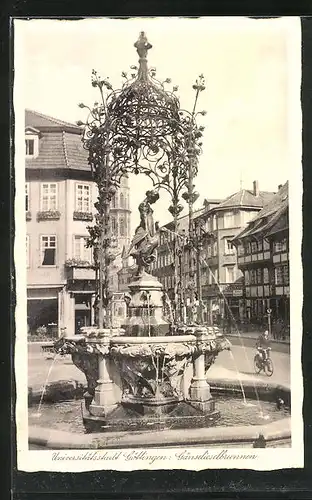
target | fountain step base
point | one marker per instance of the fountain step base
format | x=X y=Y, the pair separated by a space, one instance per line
x=126 y=417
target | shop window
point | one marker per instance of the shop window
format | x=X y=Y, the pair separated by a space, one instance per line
x=48 y=250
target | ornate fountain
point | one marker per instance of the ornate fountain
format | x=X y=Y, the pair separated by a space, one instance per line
x=152 y=372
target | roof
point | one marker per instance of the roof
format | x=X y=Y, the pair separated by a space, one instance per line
x=269 y=217
x=40 y=121
x=60 y=144
x=246 y=198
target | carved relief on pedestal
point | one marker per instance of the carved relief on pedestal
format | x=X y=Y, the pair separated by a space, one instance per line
x=149 y=371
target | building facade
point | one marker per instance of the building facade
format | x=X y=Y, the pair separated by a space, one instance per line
x=263 y=258
x=218 y=271
x=222 y=278
x=59 y=204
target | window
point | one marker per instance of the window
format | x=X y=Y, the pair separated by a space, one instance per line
x=280 y=246
x=266 y=245
x=282 y=275
x=286 y=274
x=279 y=275
x=214 y=222
x=114 y=225
x=122 y=201
x=27 y=196
x=209 y=251
x=81 y=252
x=83 y=198
x=48 y=250
x=265 y=275
x=48 y=197
x=30 y=147
x=215 y=248
x=240 y=249
x=260 y=246
x=122 y=226
x=27 y=250
x=228 y=246
x=253 y=277
x=259 y=276
x=229 y=274
x=254 y=246
x=247 y=281
x=228 y=219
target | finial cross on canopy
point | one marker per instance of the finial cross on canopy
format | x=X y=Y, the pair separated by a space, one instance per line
x=142 y=45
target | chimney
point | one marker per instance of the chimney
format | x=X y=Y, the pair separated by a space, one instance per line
x=256 y=188
x=280 y=186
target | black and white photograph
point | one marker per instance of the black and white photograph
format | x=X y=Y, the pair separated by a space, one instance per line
x=158 y=243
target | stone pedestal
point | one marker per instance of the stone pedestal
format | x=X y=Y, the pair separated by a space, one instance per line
x=200 y=395
x=145 y=308
x=66 y=313
x=104 y=401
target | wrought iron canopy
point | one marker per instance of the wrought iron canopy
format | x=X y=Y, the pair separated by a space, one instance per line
x=142 y=129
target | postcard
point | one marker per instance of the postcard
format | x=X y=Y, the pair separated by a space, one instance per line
x=159 y=192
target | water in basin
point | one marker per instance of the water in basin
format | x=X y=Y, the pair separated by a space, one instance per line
x=66 y=416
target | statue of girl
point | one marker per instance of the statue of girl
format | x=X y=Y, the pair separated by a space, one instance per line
x=145 y=238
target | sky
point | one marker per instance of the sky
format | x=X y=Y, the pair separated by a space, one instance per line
x=246 y=63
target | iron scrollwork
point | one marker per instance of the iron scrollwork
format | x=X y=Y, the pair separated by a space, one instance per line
x=140 y=129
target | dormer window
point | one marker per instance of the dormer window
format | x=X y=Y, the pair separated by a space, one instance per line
x=30 y=147
x=31 y=142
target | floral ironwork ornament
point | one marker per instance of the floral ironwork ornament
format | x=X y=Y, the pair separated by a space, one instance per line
x=140 y=129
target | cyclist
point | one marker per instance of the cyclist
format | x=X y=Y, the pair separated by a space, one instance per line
x=263 y=345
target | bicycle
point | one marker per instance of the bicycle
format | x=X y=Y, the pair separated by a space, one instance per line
x=264 y=364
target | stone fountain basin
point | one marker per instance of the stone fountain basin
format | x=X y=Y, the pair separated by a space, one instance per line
x=275 y=434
